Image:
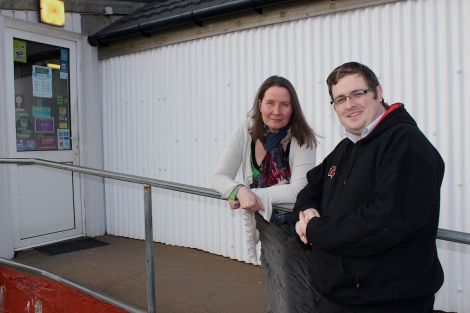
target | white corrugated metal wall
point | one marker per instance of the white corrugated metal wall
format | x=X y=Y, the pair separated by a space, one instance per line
x=168 y=113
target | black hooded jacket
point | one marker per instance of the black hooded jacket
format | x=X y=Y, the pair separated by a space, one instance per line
x=379 y=204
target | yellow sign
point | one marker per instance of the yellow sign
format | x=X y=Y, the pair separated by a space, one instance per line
x=19 y=51
x=52 y=12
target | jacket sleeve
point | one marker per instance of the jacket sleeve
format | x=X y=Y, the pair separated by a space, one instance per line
x=406 y=202
x=226 y=171
x=303 y=159
x=310 y=196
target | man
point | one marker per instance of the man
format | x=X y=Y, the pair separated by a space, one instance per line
x=370 y=210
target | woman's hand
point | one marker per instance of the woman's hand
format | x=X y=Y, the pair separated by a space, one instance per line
x=234 y=204
x=248 y=200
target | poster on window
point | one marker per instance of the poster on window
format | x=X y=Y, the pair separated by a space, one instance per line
x=63 y=139
x=41 y=111
x=19 y=102
x=64 y=63
x=44 y=125
x=42 y=81
x=19 y=51
x=24 y=125
x=25 y=144
x=47 y=143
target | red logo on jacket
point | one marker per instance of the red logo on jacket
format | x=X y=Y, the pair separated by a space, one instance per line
x=332 y=172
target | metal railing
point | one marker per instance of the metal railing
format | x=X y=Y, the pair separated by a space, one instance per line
x=443 y=234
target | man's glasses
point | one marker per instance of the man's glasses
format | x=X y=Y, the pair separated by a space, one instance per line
x=355 y=95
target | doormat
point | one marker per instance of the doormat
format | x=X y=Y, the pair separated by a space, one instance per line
x=71 y=246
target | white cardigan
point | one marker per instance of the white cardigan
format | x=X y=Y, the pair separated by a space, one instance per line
x=237 y=152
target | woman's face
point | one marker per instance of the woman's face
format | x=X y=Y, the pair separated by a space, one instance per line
x=276 y=108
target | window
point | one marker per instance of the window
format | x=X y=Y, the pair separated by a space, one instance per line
x=42 y=91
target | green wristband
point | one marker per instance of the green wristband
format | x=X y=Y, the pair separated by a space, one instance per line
x=233 y=194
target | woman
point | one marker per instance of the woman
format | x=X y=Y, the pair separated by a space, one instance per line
x=275 y=148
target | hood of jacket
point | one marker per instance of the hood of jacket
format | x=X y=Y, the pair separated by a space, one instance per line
x=395 y=116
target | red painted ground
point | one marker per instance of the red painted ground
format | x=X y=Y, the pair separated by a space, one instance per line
x=31 y=294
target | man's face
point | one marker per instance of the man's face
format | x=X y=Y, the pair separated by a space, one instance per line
x=360 y=108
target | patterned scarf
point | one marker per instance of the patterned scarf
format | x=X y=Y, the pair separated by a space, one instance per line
x=274 y=169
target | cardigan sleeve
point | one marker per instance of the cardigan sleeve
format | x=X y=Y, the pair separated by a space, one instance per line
x=226 y=171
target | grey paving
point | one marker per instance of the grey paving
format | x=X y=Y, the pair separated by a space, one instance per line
x=187 y=280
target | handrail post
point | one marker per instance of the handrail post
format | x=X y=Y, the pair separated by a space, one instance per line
x=151 y=303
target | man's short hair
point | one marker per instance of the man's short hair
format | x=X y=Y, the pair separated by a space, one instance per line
x=350 y=68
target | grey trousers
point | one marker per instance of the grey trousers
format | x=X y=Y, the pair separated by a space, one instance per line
x=286 y=267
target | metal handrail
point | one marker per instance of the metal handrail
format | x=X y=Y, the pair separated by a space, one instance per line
x=201 y=191
x=442 y=234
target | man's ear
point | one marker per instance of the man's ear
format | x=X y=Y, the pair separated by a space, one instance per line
x=379 y=92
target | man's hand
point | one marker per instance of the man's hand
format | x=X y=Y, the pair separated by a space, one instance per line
x=309 y=214
x=248 y=200
x=301 y=225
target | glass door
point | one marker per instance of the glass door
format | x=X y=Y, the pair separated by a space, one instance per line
x=42 y=97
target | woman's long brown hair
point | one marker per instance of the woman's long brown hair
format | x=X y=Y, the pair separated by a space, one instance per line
x=299 y=126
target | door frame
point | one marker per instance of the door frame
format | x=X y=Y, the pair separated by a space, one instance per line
x=53 y=36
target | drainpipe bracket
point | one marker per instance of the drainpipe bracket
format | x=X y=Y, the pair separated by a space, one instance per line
x=257 y=10
x=143 y=32
x=195 y=20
